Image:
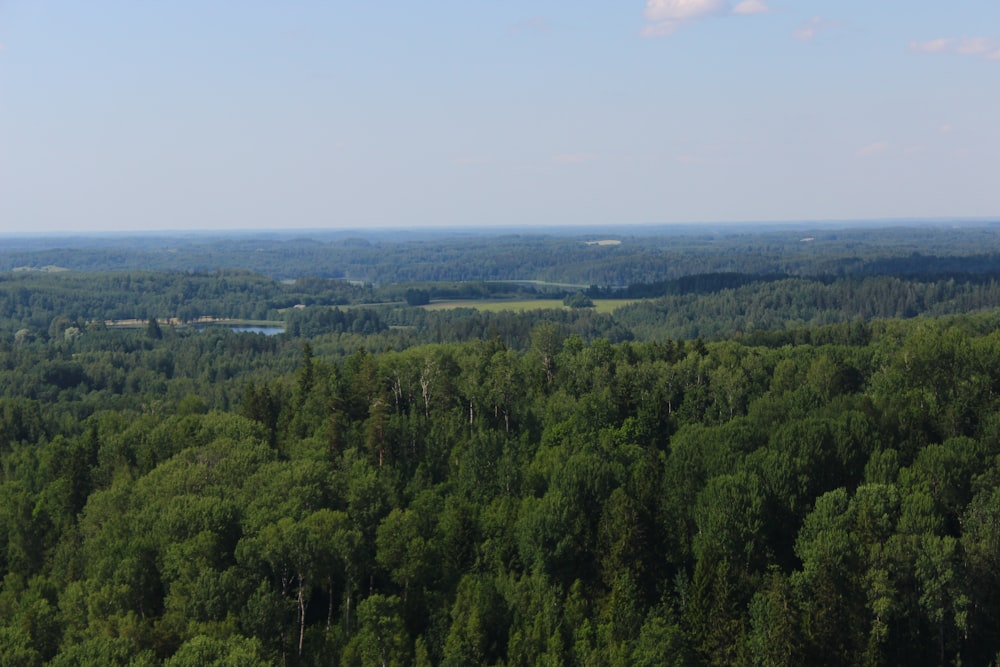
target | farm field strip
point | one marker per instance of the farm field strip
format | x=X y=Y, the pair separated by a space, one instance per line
x=498 y=305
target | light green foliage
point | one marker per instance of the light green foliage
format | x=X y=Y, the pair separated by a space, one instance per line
x=202 y=651
x=16 y=648
x=662 y=641
x=112 y=652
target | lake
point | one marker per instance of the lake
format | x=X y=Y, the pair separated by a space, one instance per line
x=267 y=331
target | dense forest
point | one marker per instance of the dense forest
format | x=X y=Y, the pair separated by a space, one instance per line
x=780 y=468
x=617 y=256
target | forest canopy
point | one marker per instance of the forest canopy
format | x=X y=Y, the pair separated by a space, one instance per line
x=745 y=468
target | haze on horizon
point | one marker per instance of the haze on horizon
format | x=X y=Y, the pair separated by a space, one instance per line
x=126 y=116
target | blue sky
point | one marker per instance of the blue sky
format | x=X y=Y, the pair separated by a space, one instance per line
x=155 y=115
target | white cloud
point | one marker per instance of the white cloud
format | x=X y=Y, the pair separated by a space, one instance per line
x=807 y=31
x=873 y=150
x=751 y=7
x=664 y=17
x=930 y=46
x=984 y=47
x=681 y=10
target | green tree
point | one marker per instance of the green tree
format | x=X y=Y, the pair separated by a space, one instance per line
x=405 y=548
x=943 y=598
x=578 y=300
x=478 y=632
x=828 y=588
x=381 y=638
x=980 y=544
x=663 y=642
x=775 y=634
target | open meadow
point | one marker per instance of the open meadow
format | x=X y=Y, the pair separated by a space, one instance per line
x=499 y=305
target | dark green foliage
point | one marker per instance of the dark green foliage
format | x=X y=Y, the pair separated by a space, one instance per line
x=578 y=300
x=417 y=297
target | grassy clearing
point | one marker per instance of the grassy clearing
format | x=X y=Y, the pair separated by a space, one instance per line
x=199 y=322
x=497 y=305
x=544 y=283
x=610 y=305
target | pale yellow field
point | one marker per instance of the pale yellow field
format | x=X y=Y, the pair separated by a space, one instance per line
x=497 y=305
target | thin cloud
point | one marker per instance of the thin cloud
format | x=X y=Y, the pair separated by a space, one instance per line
x=982 y=47
x=808 y=31
x=873 y=150
x=664 y=17
x=661 y=29
x=749 y=7
x=533 y=24
x=976 y=46
x=473 y=161
x=931 y=46
x=574 y=158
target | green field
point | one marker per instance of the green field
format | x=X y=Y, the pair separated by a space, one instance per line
x=202 y=323
x=497 y=305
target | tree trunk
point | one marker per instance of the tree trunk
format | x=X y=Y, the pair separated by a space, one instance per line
x=425 y=391
x=302 y=613
x=347 y=612
x=329 y=608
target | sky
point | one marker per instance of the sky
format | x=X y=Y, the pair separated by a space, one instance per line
x=127 y=115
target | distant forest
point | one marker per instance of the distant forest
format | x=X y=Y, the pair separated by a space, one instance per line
x=770 y=451
x=644 y=255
